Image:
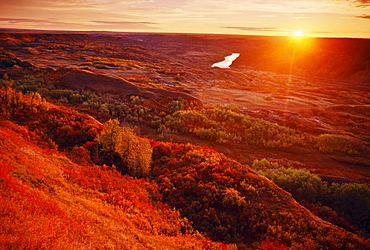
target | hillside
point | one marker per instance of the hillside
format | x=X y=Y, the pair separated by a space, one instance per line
x=231 y=202
x=49 y=201
x=124 y=140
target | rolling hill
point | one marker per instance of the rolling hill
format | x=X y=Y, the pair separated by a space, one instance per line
x=132 y=141
x=48 y=201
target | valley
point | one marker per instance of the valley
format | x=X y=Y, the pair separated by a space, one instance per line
x=171 y=66
x=300 y=104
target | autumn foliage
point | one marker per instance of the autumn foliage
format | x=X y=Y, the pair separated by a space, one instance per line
x=49 y=202
x=223 y=125
x=134 y=151
x=69 y=181
x=193 y=195
x=230 y=202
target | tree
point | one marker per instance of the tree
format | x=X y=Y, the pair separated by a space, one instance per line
x=7 y=84
x=35 y=99
x=329 y=143
x=110 y=138
x=353 y=200
x=145 y=155
x=134 y=151
x=299 y=182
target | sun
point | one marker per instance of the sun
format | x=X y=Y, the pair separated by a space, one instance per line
x=298 y=33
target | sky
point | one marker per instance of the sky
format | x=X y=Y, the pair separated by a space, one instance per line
x=317 y=18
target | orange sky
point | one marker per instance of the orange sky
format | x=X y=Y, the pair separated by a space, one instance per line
x=328 y=18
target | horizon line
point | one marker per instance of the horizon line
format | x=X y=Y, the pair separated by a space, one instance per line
x=20 y=30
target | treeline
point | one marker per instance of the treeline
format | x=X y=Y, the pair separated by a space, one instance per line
x=224 y=125
x=54 y=126
x=328 y=200
x=130 y=109
x=329 y=143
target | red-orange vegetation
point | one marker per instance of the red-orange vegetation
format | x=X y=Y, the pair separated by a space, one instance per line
x=49 y=202
x=228 y=201
x=54 y=125
x=269 y=245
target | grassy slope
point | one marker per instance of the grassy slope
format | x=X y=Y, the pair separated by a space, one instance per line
x=48 y=202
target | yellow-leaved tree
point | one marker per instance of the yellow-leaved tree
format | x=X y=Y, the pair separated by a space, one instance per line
x=135 y=152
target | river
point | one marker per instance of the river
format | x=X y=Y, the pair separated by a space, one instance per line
x=225 y=64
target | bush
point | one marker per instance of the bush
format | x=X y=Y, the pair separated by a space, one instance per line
x=224 y=125
x=300 y=183
x=177 y=105
x=32 y=84
x=264 y=165
x=336 y=144
x=353 y=200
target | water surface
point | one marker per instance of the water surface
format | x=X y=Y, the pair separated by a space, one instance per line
x=225 y=64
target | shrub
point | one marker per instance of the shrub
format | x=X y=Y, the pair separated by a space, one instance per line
x=300 y=183
x=329 y=143
x=176 y=105
x=224 y=125
x=353 y=200
x=263 y=165
x=233 y=197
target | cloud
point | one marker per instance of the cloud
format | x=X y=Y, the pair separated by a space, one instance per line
x=117 y=25
x=302 y=17
x=29 y=20
x=357 y=3
x=363 y=17
x=254 y=28
x=322 y=32
x=122 y=23
x=131 y=2
x=362 y=3
x=271 y=6
x=268 y=16
x=52 y=23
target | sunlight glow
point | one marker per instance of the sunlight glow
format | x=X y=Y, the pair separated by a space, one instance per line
x=298 y=33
